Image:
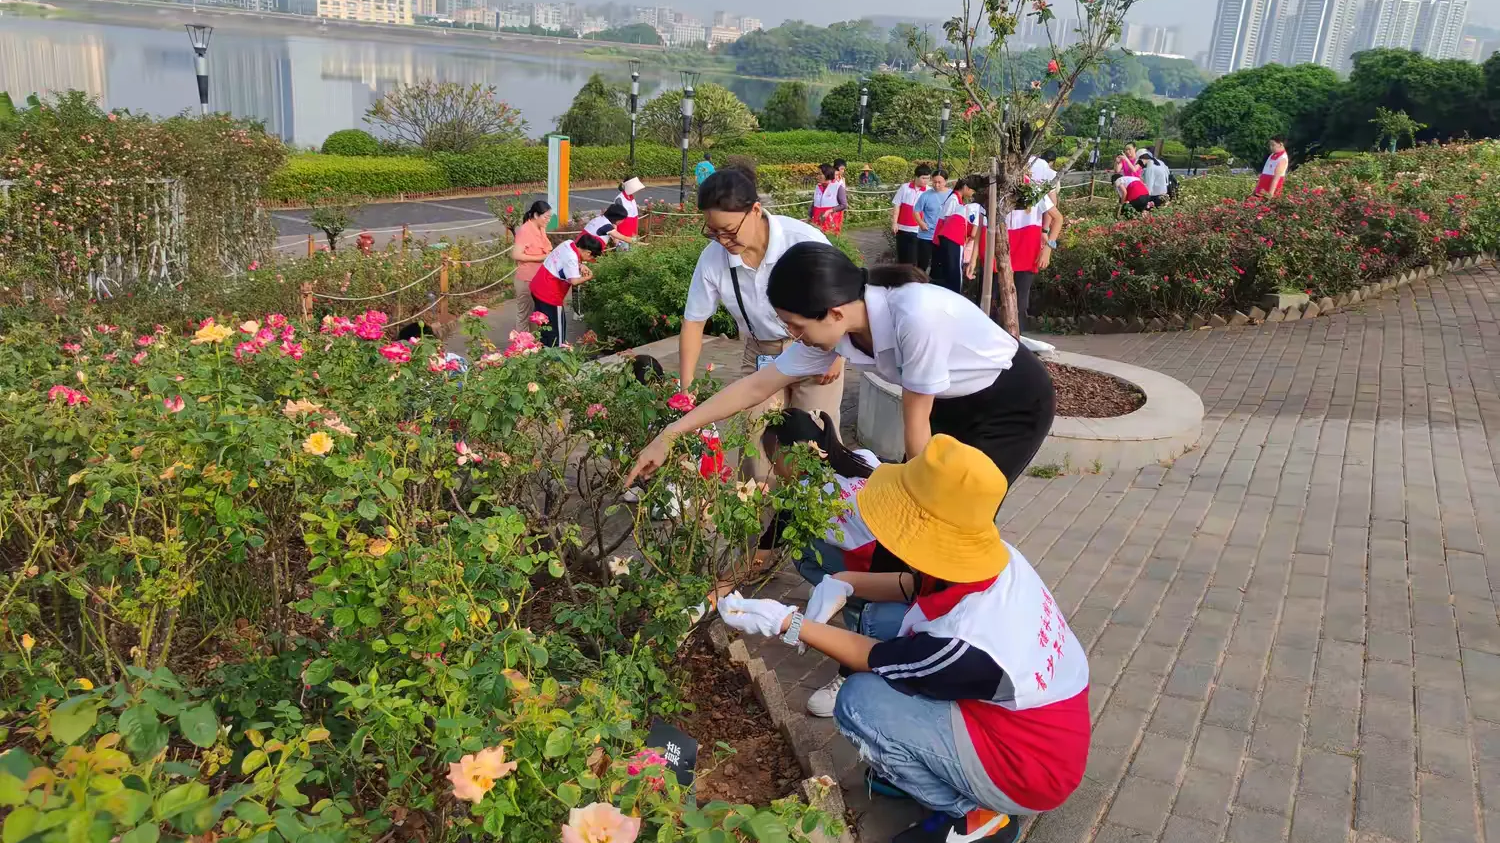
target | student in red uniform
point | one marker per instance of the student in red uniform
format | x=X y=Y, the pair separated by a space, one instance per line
x=606 y=228
x=1032 y=233
x=1273 y=174
x=1133 y=192
x=563 y=270
x=904 y=214
x=829 y=200
x=951 y=235
x=976 y=703
x=630 y=226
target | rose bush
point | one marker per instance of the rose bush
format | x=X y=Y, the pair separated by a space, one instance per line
x=1339 y=225
x=274 y=580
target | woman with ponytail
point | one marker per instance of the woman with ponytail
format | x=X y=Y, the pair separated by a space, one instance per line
x=959 y=372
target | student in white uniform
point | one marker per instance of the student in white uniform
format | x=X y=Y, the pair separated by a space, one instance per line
x=959 y=372
x=745 y=243
x=629 y=227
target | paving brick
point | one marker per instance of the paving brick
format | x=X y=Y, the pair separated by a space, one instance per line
x=1176 y=717
x=1159 y=757
x=1326 y=774
x=1267 y=786
x=1142 y=804
x=1185 y=830
x=1444 y=754
x=1445 y=802
x=1333 y=728
x=1276 y=741
x=1230 y=708
x=1319 y=819
x=1390 y=812
x=1246 y=826
x=1205 y=795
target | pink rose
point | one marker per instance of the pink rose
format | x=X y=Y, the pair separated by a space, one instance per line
x=479 y=311
x=173 y=404
x=597 y=411
x=139 y=358
x=682 y=402
x=396 y=352
x=538 y=318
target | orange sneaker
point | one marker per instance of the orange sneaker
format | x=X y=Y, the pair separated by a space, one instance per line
x=975 y=826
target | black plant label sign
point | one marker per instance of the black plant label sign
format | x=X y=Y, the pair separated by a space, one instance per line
x=679 y=748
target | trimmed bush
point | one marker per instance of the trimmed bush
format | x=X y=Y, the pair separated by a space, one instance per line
x=892 y=169
x=307 y=175
x=351 y=142
x=637 y=296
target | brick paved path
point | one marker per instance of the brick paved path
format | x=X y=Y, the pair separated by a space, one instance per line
x=1292 y=630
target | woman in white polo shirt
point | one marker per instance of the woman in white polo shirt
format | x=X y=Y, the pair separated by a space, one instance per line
x=733 y=271
x=959 y=372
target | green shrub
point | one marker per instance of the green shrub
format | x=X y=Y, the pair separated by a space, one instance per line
x=637 y=296
x=351 y=142
x=892 y=169
x=305 y=175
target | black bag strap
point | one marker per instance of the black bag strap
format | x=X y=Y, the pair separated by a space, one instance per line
x=734 y=278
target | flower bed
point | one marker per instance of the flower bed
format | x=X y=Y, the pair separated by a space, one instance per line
x=270 y=578
x=1340 y=225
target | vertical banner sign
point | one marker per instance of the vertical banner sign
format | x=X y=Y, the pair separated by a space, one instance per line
x=558 y=149
x=679 y=748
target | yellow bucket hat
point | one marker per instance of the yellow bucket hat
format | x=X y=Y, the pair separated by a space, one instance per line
x=937 y=512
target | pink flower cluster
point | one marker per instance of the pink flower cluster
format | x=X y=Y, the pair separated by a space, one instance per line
x=522 y=342
x=440 y=363
x=67 y=395
x=396 y=352
x=682 y=402
x=370 y=325
x=263 y=336
x=648 y=760
x=538 y=318
x=597 y=411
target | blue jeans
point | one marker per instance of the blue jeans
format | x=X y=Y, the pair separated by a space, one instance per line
x=924 y=760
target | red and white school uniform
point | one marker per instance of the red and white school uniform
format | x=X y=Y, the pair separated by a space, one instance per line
x=600 y=228
x=825 y=210
x=979 y=228
x=953 y=222
x=1134 y=188
x=550 y=284
x=1028 y=742
x=905 y=201
x=1267 y=185
x=629 y=226
x=1025 y=231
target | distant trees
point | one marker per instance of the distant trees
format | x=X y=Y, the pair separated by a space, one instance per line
x=446 y=116
x=840 y=111
x=787 y=108
x=1136 y=117
x=796 y=49
x=635 y=33
x=597 y=116
x=1450 y=96
x=1243 y=110
x=718 y=116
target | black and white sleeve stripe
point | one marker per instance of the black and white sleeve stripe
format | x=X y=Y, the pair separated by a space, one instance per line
x=941 y=668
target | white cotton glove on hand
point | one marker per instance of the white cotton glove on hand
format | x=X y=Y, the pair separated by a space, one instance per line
x=827 y=598
x=754 y=617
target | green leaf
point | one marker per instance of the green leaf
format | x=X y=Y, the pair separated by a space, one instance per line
x=369 y=616
x=19 y=825
x=478 y=421
x=768 y=828
x=144 y=734
x=368 y=510
x=12 y=790
x=555 y=568
x=569 y=793
x=254 y=760
x=252 y=812
x=74 y=718
x=17 y=763
x=809 y=823
x=318 y=671
x=142 y=834
x=558 y=743
x=128 y=806
x=695 y=819
x=199 y=725
x=181 y=798
x=161 y=702
x=343 y=618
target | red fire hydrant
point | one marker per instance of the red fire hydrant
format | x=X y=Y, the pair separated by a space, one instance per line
x=365 y=242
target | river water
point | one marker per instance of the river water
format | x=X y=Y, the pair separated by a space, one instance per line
x=304 y=86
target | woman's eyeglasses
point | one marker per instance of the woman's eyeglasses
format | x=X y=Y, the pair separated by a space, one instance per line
x=726 y=235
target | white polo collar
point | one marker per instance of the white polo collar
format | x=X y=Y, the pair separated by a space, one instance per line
x=775 y=243
x=882 y=327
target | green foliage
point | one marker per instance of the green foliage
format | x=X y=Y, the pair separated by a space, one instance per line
x=370 y=176
x=351 y=142
x=446 y=116
x=1395 y=125
x=892 y=169
x=597 y=116
x=718 y=117
x=796 y=49
x=840 y=108
x=1446 y=95
x=1243 y=110
x=1136 y=118
x=787 y=109
x=635 y=33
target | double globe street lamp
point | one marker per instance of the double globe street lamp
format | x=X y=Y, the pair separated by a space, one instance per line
x=198 y=34
x=635 y=97
x=689 y=82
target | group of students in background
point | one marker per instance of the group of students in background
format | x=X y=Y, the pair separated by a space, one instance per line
x=1142 y=180
x=942 y=228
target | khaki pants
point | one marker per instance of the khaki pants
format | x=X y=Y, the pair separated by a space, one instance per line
x=524 y=305
x=806 y=395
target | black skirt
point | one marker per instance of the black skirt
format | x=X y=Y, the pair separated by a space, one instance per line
x=1007 y=420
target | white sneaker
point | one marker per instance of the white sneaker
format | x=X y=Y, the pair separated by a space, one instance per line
x=820 y=704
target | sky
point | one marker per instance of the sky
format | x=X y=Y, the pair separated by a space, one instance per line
x=1194 y=17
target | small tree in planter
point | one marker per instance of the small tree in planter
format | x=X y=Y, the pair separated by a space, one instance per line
x=976 y=62
x=332 y=216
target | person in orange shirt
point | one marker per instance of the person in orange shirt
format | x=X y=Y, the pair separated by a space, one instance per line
x=529 y=250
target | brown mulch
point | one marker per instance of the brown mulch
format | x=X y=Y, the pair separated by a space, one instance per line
x=762 y=767
x=1088 y=394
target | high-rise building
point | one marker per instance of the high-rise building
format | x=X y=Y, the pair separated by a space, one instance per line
x=1279 y=33
x=1236 y=37
x=1156 y=40
x=367 y=11
x=1440 y=24
x=547 y=16
x=644 y=14
x=750 y=24
x=722 y=35
x=1325 y=33
x=726 y=20
x=686 y=29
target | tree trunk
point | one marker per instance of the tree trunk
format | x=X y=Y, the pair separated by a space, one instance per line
x=997 y=258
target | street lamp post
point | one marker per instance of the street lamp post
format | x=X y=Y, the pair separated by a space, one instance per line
x=198 y=34
x=635 y=97
x=1094 y=158
x=689 y=80
x=864 y=100
x=943 y=130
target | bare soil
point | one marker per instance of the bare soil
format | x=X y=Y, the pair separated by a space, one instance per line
x=1084 y=393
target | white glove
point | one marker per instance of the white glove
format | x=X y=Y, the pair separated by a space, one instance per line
x=754 y=617
x=827 y=598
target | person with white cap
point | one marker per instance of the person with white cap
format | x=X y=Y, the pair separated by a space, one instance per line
x=975 y=701
x=629 y=227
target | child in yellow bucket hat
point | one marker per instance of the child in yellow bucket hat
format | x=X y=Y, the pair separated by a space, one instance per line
x=976 y=705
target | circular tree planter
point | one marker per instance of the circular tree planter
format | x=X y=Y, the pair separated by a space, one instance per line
x=1164 y=428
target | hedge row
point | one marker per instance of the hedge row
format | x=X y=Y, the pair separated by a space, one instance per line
x=497 y=166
